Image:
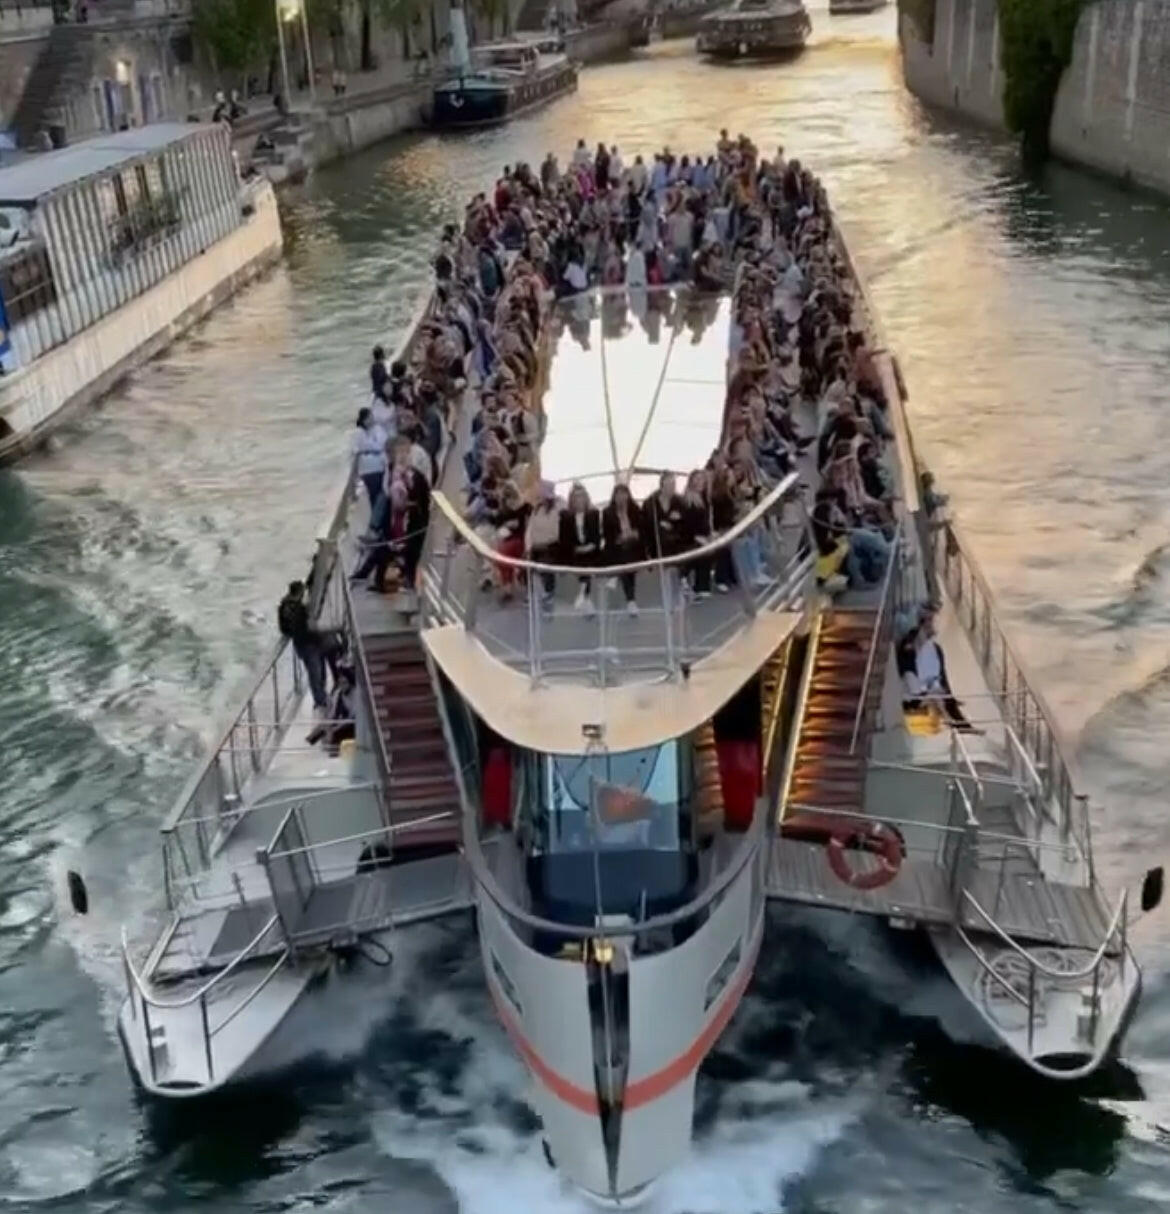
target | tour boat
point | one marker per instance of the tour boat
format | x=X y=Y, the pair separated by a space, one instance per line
x=755 y=29
x=113 y=247
x=619 y=793
x=500 y=80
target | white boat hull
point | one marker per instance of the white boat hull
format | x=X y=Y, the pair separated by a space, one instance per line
x=679 y=1001
x=1065 y=1041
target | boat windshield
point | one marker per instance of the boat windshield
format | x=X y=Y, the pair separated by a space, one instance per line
x=613 y=801
x=611 y=833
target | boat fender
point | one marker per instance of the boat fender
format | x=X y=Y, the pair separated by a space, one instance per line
x=877 y=838
x=78 y=894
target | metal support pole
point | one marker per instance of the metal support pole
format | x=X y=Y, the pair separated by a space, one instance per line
x=308 y=48
x=283 y=54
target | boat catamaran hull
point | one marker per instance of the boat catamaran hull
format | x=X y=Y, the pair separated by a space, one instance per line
x=618 y=794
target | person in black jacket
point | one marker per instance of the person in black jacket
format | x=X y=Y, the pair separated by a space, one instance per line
x=292 y=617
x=580 y=540
x=662 y=519
x=621 y=528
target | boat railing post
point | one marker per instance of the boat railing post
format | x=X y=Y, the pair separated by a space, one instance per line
x=1031 y=1003
x=741 y=581
x=252 y=745
x=148 y=1037
x=1123 y=926
x=601 y=591
x=206 y=1035
x=684 y=601
x=471 y=604
x=535 y=639
x=668 y=622
x=445 y=576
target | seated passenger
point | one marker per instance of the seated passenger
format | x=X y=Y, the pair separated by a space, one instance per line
x=510 y=521
x=542 y=539
x=924 y=674
x=697 y=531
x=662 y=519
x=580 y=541
x=621 y=526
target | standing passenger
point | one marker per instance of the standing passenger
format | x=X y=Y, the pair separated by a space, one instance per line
x=368 y=447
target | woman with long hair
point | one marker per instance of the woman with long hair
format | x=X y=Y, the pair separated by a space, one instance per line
x=580 y=541
x=621 y=527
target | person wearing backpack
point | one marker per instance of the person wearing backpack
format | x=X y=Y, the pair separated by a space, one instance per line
x=292 y=617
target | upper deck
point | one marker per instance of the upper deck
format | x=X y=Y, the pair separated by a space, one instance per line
x=633 y=386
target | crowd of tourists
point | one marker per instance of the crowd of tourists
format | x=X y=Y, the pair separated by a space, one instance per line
x=802 y=394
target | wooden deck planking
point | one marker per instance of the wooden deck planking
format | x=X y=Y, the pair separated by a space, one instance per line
x=1027 y=907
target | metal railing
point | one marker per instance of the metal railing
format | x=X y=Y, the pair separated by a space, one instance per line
x=883 y=630
x=1055 y=977
x=672 y=632
x=1036 y=735
x=141 y=999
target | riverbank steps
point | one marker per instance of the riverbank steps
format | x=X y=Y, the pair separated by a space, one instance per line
x=1112 y=110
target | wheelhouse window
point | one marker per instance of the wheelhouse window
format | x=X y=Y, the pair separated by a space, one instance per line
x=609 y=834
x=613 y=801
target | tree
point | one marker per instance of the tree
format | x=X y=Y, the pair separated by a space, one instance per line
x=234 y=33
x=401 y=15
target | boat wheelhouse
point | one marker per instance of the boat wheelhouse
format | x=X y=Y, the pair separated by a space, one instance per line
x=754 y=29
x=119 y=240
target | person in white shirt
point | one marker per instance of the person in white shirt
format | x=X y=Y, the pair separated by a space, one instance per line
x=581 y=157
x=680 y=226
x=658 y=176
x=575 y=275
x=368 y=447
x=638 y=175
x=924 y=674
x=636 y=268
x=384 y=416
x=616 y=165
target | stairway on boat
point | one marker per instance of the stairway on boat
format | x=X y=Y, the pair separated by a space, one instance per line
x=829 y=770
x=422 y=783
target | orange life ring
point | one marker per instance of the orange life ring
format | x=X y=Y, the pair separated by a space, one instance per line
x=874 y=837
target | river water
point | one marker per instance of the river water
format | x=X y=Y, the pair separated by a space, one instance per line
x=139 y=566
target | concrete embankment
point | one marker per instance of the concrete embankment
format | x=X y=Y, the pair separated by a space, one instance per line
x=1112 y=110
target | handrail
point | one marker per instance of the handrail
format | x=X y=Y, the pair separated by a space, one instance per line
x=1064 y=975
x=211 y=1032
x=486 y=879
x=877 y=638
x=188 y=1000
x=802 y=694
x=381 y=755
x=487 y=552
x=335 y=522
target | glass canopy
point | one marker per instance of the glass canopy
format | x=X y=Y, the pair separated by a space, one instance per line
x=636 y=386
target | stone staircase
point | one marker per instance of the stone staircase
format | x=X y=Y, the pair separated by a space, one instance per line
x=827 y=772
x=422 y=783
x=63 y=70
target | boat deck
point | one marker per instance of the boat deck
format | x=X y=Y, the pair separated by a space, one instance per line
x=1027 y=907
